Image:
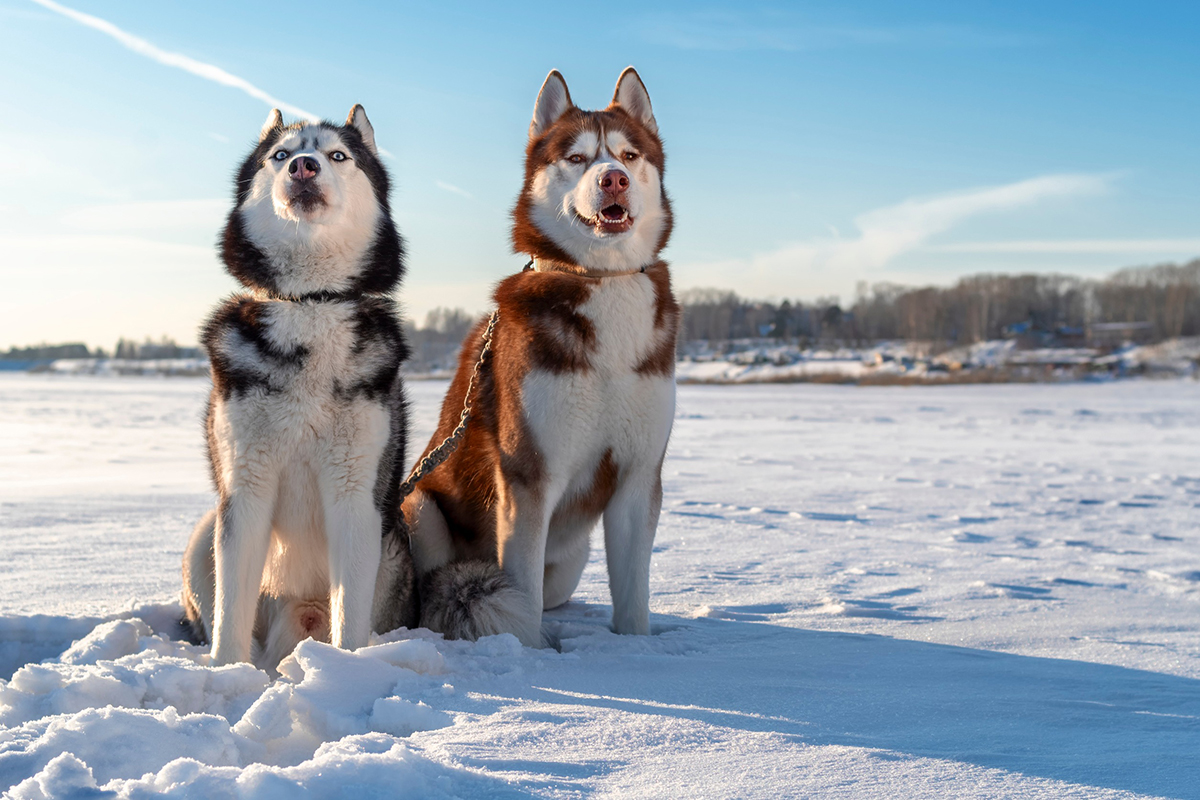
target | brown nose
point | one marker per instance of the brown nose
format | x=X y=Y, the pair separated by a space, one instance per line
x=303 y=167
x=614 y=182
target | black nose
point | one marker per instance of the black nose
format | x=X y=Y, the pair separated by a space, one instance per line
x=304 y=167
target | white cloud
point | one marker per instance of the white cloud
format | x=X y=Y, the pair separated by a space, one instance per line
x=72 y=253
x=886 y=233
x=450 y=187
x=829 y=265
x=169 y=215
x=96 y=288
x=200 y=69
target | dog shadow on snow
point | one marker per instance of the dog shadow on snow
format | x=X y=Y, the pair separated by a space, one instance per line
x=1072 y=721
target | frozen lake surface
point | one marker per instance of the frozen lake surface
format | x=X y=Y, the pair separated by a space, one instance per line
x=971 y=591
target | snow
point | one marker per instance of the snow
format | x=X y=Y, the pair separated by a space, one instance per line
x=885 y=592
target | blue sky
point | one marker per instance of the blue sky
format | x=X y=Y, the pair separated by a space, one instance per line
x=810 y=146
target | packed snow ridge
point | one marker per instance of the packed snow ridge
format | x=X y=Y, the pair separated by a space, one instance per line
x=897 y=592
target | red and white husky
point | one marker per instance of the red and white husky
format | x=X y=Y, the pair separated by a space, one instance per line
x=574 y=408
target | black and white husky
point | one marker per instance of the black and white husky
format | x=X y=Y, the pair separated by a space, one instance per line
x=306 y=421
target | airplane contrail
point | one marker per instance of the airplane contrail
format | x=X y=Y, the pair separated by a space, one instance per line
x=200 y=69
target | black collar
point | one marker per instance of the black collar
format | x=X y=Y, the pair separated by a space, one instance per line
x=318 y=297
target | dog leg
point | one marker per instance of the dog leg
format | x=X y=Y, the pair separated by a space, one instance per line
x=353 y=524
x=630 y=521
x=354 y=529
x=242 y=536
x=521 y=529
x=562 y=577
x=199 y=578
x=430 y=540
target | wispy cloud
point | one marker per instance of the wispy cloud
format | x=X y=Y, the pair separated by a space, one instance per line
x=785 y=31
x=450 y=187
x=886 y=233
x=155 y=217
x=1082 y=246
x=190 y=65
x=828 y=264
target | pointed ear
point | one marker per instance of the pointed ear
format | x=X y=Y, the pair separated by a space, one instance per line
x=274 y=120
x=632 y=96
x=552 y=102
x=358 y=120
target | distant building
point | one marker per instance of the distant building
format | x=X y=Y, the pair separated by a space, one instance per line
x=1108 y=335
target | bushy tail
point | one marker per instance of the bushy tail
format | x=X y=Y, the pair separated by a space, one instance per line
x=199 y=582
x=469 y=599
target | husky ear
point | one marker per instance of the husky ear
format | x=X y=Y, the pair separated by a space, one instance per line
x=552 y=102
x=274 y=120
x=358 y=120
x=632 y=96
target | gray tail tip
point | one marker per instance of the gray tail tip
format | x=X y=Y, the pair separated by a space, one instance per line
x=469 y=599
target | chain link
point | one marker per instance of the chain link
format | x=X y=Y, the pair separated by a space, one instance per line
x=443 y=451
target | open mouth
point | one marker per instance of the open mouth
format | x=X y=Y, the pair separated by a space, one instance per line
x=611 y=219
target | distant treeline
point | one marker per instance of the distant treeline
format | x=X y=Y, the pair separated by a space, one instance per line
x=1149 y=304
x=51 y=352
x=435 y=345
x=1158 y=303
x=126 y=349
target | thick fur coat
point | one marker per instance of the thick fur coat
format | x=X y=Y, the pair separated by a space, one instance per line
x=574 y=408
x=306 y=421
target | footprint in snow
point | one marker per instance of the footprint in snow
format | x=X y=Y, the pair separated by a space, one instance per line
x=1071 y=582
x=752 y=613
x=872 y=609
x=900 y=592
x=1022 y=592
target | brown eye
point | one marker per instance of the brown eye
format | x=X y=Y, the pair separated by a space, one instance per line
x=631 y=156
x=575 y=158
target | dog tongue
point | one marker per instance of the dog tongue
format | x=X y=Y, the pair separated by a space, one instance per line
x=613 y=212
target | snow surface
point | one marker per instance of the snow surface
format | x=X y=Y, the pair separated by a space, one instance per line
x=969 y=591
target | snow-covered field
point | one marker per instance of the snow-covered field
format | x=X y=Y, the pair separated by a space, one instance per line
x=967 y=591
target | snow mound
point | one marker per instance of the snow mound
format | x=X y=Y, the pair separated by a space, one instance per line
x=122 y=664
x=961 y=591
x=125 y=712
x=26 y=639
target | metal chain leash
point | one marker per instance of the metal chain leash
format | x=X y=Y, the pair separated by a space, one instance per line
x=440 y=453
x=443 y=451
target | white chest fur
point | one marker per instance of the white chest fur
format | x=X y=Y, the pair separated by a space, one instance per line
x=575 y=417
x=324 y=330
x=306 y=359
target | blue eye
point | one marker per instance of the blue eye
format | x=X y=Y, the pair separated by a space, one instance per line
x=338 y=155
x=280 y=155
